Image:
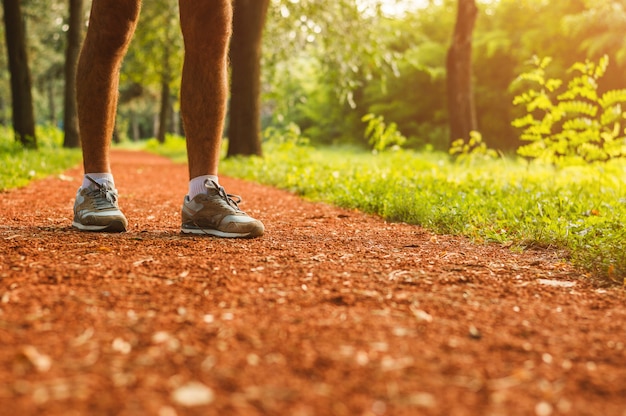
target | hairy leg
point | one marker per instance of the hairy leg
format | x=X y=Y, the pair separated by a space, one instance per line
x=111 y=27
x=206 y=27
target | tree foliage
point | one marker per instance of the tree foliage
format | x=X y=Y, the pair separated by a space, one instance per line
x=380 y=135
x=573 y=122
x=339 y=49
x=328 y=64
x=150 y=78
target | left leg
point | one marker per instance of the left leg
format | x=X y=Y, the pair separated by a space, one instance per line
x=111 y=27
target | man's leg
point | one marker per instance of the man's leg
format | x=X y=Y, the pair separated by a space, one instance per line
x=206 y=26
x=111 y=27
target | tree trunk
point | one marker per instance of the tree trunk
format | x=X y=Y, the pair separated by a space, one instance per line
x=21 y=94
x=74 y=39
x=461 y=106
x=175 y=122
x=52 y=108
x=3 y=115
x=164 y=113
x=134 y=125
x=244 y=128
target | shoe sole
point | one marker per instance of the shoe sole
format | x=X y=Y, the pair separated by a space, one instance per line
x=217 y=233
x=112 y=227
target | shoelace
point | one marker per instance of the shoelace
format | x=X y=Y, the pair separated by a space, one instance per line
x=106 y=194
x=232 y=200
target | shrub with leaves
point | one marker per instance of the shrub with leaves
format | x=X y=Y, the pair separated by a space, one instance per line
x=380 y=135
x=570 y=125
x=471 y=150
x=284 y=137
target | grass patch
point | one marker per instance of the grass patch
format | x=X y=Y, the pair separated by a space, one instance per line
x=174 y=148
x=20 y=166
x=578 y=209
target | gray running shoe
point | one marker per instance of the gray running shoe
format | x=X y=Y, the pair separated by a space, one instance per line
x=217 y=213
x=96 y=209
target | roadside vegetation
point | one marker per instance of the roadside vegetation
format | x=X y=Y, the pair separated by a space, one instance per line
x=20 y=165
x=565 y=190
x=579 y=211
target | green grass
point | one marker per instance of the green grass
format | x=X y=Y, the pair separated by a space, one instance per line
x=19 y=166
x=580 y=210
x=174 y=148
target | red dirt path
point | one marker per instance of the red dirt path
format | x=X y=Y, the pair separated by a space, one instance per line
x=332 y=312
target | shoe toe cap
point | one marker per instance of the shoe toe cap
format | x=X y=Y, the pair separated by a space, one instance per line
x=243 y=224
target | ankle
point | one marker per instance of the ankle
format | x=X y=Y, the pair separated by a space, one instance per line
x=196 y=185
x=99 y=178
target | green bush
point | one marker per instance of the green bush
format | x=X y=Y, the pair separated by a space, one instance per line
x=575 y=125
x=380 y=135
x=473 y=149
x=21 y=165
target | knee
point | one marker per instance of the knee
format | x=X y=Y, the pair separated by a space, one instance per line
x=206 y=25
x=112 y=25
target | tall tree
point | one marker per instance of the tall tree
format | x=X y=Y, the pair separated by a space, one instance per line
x=21 y=94
x=74 y=38
x=166 y=76
x=244 y=126
x=165 y=113
x=461 y=108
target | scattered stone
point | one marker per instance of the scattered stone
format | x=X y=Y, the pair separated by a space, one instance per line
x=193 y=394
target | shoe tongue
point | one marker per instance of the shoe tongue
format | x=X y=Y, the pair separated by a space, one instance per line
x=212 y=193
x=104 y=186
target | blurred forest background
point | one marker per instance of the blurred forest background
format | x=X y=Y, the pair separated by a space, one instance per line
x=327 y=64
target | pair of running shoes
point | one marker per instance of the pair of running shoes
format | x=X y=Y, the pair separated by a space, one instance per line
x=214 y=213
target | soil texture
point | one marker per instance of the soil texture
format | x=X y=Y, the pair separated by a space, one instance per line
x=331 y=312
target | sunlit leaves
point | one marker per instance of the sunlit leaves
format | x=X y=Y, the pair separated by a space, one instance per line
x=474 y=149
x=338 y=35
x=613 y=97
x=575 y=125
x=601 y=27
x=380 y=135
x=156 y=47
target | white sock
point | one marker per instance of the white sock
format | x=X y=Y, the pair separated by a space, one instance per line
x=100 y=178
x=196 y=185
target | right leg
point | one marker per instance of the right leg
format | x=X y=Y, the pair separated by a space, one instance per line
x=206 y=26
x=111 y=27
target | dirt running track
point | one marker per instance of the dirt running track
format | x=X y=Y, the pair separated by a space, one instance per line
x=332 y=312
